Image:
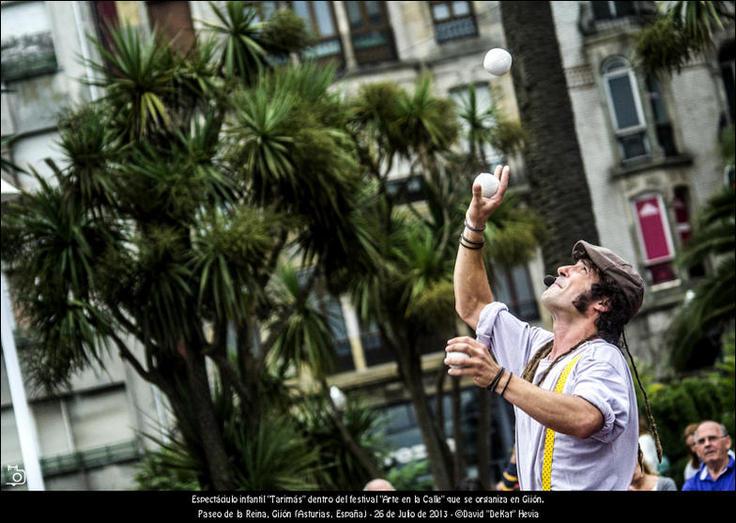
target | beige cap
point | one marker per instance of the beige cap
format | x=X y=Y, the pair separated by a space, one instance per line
x=618 y=269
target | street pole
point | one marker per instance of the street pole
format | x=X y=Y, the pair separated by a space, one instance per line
x=23 y=418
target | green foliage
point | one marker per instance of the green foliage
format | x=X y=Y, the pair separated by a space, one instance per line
x=339 y=469
x=712 y=306
x=677 y=403
x=683 y=30
x=136 y=75
x=229 y=251
x=53 y=248
x=412 y=476
x=426 y=122
x=241 y=46
x=304 y=337
x=663 y=46
x=286 y=32
x=271 y=454
x=164 y=469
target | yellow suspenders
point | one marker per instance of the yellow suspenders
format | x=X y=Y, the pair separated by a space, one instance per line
x=549 y=434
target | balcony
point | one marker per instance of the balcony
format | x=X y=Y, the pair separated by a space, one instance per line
x=85 y=460
x=455 y=29
x=27 y=56
x=328 y=50
x=373 y=46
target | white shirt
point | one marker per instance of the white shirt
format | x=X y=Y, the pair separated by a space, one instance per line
x=605 y=460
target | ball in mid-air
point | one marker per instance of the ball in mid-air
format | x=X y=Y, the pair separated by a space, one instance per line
x=497 y=61
x=488 y=182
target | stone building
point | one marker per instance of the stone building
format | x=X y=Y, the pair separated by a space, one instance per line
x=649 y=149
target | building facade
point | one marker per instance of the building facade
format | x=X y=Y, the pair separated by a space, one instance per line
x=650 y=152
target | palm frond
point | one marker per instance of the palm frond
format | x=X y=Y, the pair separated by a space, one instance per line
x=137 y=76
x=241 y=45
x=304 y=337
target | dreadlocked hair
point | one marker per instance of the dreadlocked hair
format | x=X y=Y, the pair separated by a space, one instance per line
x=650 y=416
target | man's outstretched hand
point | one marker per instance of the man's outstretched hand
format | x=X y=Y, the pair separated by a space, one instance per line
x=480 y=208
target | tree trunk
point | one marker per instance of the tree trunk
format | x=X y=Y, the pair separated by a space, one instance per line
x=438 y=453
x=457 y=430
x=554 y=165
x=363 y=457
x=207 y=423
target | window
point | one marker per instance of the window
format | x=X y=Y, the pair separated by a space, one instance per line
x=264 y=10
x=404 y=439
x=728 y=73
x=406 y=190
x=27 y=42
x=625 y=108
x=330 y=306
x=374 y=350
x=320 y=20
x=336 y=321
x=683 y=228
x=514 y=288
x=655 y=239
x=610 y=10
x=371 y=34
x=662 y=125
x=453 y=20
x=173 y=21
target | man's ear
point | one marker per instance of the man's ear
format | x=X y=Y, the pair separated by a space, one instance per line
x=601 y=306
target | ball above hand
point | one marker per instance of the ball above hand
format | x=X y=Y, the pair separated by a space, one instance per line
x=497 y=61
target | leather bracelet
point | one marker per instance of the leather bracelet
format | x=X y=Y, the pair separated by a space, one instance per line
x=474 y=229
x=494 y=382
x=511 y=375
x=471 y=242
x=470 y=246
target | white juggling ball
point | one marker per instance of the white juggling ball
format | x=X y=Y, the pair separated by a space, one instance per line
x=497 y=61
x=456 y=360
x=488 y=182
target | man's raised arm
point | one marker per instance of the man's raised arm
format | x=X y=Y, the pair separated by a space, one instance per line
x=470 y=282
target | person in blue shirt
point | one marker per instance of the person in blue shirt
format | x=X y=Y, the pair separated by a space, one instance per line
x=717 y=471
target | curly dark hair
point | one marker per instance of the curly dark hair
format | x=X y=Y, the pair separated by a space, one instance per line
x=610 y=324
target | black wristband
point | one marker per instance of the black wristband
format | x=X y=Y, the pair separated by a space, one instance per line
x=474 y=229
x=511 y=375
x=472 y=248
x=471 y=242
x=494 y=382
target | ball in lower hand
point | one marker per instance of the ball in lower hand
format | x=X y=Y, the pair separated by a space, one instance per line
x=456 y=360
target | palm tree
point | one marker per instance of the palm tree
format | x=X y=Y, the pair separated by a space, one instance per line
x=409 y=295
x=558 y=187
x=682 y=30
x=185 y=186
x=710 y=309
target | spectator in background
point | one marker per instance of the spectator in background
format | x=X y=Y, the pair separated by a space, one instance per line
x=717 y=471
x=693 y=463
x=648 y=448
x=646 y=479
x=510 y=479
x=378 y=484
